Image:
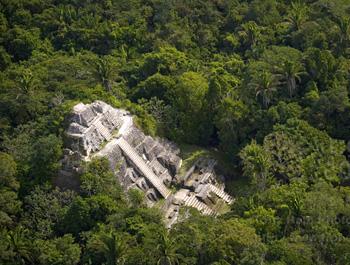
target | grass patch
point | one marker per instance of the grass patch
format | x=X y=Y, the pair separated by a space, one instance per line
x=221 y=207
x=160 y=203
x=236 y=184
x=190 y=153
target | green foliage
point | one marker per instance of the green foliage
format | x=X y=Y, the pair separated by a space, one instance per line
x=62 y=251
x=264 y=12
x=234 y=242
x=107 y=246
x=77 y=218
x=45 y=209
x=328 y=212
x=168 y=60
x=8 y=172
x=297 y=15
x=156 y=85
x=136 y=197
x=296 y=150
x=10 y=205
x=16 y=248
x=233 y=123
x=257 y=164
x=99 y=179
x=264 y=222
x=45 y=160
x=188 y=99
x=101 y=206
x=20 y=43
x=293 y=250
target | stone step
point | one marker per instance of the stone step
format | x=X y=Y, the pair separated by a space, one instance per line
x=103 y=130
x=192 y=201
x=221 y=194
x=131 y=153
x=197 y=205
x=205 y=177
x=189 y=200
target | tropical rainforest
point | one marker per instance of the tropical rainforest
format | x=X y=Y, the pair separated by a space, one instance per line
x=264 y=83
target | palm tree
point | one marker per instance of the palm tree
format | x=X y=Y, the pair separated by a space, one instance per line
x=26 y=84
x=257 y=165
x=18 y=242
x=290 y=73
x=265 y=84
x=103 y=71
x=113 y=249
x=167 y=250
x=250 y=33
x=67 y=14
x=344 y=34
x=297 y=16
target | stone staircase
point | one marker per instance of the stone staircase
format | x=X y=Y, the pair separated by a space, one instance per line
x=205 y=177
x=102 y=130
x=192 y=201
x=131 y=153
x=221 y=194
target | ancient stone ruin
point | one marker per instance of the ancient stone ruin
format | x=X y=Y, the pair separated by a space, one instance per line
x=139 y=161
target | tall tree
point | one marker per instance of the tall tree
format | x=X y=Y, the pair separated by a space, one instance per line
x=250 y=33
x=265 y=85
x=104 y=70
x=26 y=84
x=20 y=245
x=113 y=249
x=257 y=165
x=9 y=203
x=297 y=15
x=167 y=249
x=290 y=72
x=60 y=251
x=189 y=100
x=343 y=42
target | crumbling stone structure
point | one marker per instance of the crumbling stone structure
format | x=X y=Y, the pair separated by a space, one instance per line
x=138 y=161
